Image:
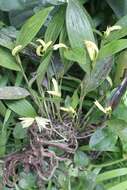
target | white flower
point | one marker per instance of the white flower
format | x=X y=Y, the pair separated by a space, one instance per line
x=26 y=121
x=42 y=123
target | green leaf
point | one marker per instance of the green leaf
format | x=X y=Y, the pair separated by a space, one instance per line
x=67 y=101
x=111 y=174
x=27 y=181
x=75 y=100
x=64 y=39
x=122 y=186
x=55 y=26
x=122 y=22
x=81 y=159
x=7 y=60
x=19 y=132
x=55 y=2
x=115 y=35
x=119 y=7
x=112 y=48
x=3 y=140
x=13 y=93
x=22 y=108
x=10 y=5
x=99 y=73
x=32 y=26
x=78 y=26
x=2 y=109
x=77 y=55
x=121 y=112
x=103 y=139
x=5 y=37
x=43 y=67
x=7 y=117
x=3 y=133
x=120 y=128
x=121 y=65
x=13 y=5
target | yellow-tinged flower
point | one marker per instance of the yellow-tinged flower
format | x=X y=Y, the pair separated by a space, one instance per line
x=16 y=50
x=41 y=42
x=69 y=109
x=39 y=50
x=109 y=80
x=110 y=29
x=42 y=48
x=92 y=49
x=56 y=91
x=101 y=108
x=60 y=45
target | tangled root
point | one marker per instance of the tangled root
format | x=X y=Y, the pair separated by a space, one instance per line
x=37 y=157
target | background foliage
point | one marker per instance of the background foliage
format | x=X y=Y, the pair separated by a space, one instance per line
x=63 y=61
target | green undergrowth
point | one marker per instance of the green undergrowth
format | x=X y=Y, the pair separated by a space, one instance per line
x=63 y=99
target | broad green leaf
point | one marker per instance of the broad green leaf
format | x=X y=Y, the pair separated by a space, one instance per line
x=111 y=174
x=99 y=73
x=22 y=108
x=112 y=48
x=104 y=139
x=4 y=80
x=27 y=181
x=55 y=26
x=122 y=22
x=43 y=67
x=7 y=36
x=119 y=186
x=115 y=35
x=13 y=93
x=7 y=117
x=55 y=2
x=120 y=128
x=12 y=5
x=7 y=60
x=19 y=132
x=77 y=55
x=81 y=159
x=124 y=99
x=119 y=7
x=91 y=179
x=75 y=100
x=6 y=42
x=64 y=39
x=78 y=25
x=3 y=141
x=32 y=26
x=2 y=109
x=67 y=102
x=3 y=133
x=121 y=112
x=121 y=65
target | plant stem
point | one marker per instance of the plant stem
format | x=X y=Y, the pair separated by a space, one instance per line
x=27 y=82
x=108 y=164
